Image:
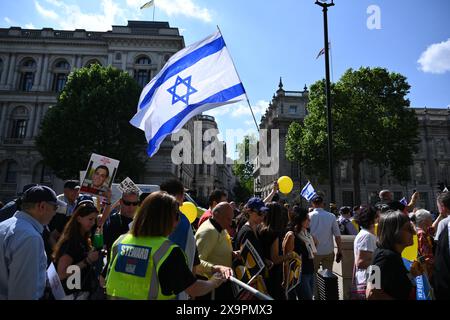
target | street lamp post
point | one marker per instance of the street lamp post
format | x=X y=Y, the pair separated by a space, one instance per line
x=325 y=5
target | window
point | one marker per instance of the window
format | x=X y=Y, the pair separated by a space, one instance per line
x=1 y=67
x=142 y=77
x=292 y=109
x=27 y=71
x=142 y=72
x=27 y=81
x=118 y=56
x=61 y=71
x=11 y=172
x=19 y=120
x=19 y=129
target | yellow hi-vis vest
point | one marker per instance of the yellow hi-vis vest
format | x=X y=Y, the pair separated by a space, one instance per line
x=134 y=266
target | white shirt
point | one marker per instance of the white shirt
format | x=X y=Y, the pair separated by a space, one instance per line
x=364 y=241
x=323 y=226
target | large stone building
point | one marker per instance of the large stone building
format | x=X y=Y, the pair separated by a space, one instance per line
x=430 y=169
x=34 y=65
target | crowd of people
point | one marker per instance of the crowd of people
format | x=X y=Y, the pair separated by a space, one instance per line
x=142 y=247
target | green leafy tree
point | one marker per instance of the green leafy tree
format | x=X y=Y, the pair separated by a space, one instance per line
x=92 y=116
x=243 y=169
x=371 y=121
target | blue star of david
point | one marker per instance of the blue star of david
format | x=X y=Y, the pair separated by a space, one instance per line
x=190 y=90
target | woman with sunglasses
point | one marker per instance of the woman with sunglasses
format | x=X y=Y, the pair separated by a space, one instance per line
x=74 y=247
x=146 y=265
x=395 y=233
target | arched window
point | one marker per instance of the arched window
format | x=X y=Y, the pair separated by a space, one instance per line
x=9 y=171
x=142 y=72
x=19 y=121
x=42 y=174
x=27 y=71
x=61 y=71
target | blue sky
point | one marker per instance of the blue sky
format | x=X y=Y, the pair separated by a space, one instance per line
x=269 y=39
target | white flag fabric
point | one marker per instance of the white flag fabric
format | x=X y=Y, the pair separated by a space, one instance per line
x=308 y=191
x=197 y=78
x=147 y=5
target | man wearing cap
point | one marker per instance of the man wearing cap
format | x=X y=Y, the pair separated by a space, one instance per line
x=11 y=207
x=323 y=227
x=23 y=262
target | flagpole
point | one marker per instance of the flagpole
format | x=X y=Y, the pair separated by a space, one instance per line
x=246 y=95
x=154 y=8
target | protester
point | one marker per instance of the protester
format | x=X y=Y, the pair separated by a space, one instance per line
x=395 y=233
x=323 y=227
x=344 y=221
x=74 y=247
x=214 y=248
x=215 y=198
x=23 y=262
x=425 y=233
x=441 y=272
x=271 y=233
x=256 y=211
x=147 y=241
x=11 y=207
x=62 y=216
x=302 y=243
x=118 y=223
x=364 y=246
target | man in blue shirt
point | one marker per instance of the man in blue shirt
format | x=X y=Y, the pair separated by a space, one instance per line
x=23 y=261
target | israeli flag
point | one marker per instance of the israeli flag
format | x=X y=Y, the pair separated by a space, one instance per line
x=198 y=78
x=403 y=201
x=308 y=191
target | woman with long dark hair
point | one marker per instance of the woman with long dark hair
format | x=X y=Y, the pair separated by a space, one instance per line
x=74 y=248
x=395 y=233
x=299 y=240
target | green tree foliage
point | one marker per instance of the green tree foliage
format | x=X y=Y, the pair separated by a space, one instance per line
x=243 y=169
x=371 y=121
x=92 y=116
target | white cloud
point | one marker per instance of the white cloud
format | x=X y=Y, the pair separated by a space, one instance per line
x=436 y=59
x=72 y=17
x=185 y=8
x=46 y=13
x=242 y=109
x=8 y=21
x=30 y=26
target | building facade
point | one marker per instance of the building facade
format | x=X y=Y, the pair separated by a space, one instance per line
x=34 y=66
x=430 y=168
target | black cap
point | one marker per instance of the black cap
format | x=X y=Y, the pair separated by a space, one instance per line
x=26 y=187
x=41 y=194
x=71 y=184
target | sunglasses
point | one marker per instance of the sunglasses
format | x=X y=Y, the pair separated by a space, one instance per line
x=130 y=203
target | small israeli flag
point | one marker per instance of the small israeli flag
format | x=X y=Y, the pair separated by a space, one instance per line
x=197 y=78
x=403 y=201
x=308 y=191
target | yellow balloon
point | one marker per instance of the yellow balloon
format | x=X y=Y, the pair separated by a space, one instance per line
x=189 y=210
x=410 y=253
x=285 y=184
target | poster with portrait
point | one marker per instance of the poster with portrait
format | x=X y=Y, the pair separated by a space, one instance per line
x=294 y=271
x=99 y=175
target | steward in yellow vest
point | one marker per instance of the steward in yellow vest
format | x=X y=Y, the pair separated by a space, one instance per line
x=145 y=265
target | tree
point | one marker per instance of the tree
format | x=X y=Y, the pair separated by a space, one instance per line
x=243 y=169
x=371 y=121
x=91 y=116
